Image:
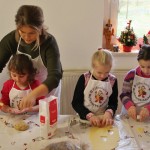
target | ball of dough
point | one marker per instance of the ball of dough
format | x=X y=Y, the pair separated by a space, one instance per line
x=21 y=126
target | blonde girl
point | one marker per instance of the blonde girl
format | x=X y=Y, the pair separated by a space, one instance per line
x=96 y=94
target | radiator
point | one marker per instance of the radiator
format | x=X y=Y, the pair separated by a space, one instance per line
x=69 y=81
x=70 y=78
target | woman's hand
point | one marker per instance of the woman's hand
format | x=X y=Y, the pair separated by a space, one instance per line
x=132 y=112
x=144 y=114
x=30 y=99
x=27 y=102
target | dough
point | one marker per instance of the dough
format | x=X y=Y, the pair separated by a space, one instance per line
x=21 y=125
x=105 y=138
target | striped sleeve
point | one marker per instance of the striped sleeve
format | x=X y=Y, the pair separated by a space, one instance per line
x=126 y=93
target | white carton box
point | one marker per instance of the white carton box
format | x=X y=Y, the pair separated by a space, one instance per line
x=48 y=115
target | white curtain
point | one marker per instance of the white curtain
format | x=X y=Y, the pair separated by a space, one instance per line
x=111 y=8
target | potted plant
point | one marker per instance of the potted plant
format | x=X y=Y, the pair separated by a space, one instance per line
x=128 y=38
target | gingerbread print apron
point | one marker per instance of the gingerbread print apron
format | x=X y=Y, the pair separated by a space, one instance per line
x=96 y=95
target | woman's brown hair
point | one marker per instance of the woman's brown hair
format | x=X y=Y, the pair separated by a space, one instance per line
x=33 y=17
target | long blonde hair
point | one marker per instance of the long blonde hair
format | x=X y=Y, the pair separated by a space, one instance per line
x=102 y=57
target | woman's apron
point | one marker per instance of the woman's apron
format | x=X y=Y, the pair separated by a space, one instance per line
x=96 y=95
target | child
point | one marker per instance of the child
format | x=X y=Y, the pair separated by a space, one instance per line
x=135 y=94
x=96 y=92
x=22 y=82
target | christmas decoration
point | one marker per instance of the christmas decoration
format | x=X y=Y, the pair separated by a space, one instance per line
x=108 y=32
x=148 y=37
x=145 y=39
x=128 y=37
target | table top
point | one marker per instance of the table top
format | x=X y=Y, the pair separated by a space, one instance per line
x=133 y=135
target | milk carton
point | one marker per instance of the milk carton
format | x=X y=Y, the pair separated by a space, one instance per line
x=48 y=115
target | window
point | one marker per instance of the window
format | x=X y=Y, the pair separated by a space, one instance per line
x=136 y=10
x=111 y=9
x=120 y=11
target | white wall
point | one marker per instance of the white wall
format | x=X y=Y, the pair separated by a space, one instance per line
x=76 y=24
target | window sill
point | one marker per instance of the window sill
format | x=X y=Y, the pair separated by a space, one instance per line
x=125 y=54
x=125 y=60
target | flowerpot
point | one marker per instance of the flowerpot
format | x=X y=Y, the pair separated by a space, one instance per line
x=127 y=48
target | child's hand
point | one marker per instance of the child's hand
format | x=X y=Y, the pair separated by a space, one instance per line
x=95 y=121
x=1 y=104
x=107 y=119
x=11 y=110
x=132 y=112
x=5 y=108
x=144 y=114
x=17 y=111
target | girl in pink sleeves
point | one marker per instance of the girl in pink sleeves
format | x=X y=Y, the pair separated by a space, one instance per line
x=135 y=94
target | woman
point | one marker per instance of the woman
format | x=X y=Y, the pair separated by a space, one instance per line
x=32 y=39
